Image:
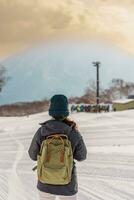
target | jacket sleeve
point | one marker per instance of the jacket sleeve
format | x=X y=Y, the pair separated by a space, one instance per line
x=35 y=145
x=80 y=152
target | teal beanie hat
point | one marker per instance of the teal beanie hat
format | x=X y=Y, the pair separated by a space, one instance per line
x=59 y=106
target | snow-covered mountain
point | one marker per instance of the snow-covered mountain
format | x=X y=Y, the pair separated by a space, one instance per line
x=62 y=67
x=107 y=174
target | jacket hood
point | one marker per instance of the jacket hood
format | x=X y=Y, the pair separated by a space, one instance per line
x=54 y=126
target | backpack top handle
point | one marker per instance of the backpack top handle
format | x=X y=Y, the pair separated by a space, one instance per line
x=57 y=136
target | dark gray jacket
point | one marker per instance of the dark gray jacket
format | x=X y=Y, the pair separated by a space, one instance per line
x=78 y=148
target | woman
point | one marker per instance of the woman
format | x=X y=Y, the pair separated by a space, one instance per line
x=59 y=123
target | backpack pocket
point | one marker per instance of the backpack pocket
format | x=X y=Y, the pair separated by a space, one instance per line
x=57 y=176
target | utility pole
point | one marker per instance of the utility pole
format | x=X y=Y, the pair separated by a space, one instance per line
x=97 y=65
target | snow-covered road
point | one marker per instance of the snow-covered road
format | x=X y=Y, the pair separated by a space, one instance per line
x=107 y=174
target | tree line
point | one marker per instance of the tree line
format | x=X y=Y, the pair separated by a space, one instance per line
x=118 y=89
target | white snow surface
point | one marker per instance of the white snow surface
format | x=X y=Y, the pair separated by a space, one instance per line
x=107 y=174
x=123 y=101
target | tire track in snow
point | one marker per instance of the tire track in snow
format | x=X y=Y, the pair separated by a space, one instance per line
x=107 y=188
x=90 y=194
x=14 y=183
x=97 y=183
x=123 y=194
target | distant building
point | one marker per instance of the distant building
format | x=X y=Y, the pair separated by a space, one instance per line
x=123 y=104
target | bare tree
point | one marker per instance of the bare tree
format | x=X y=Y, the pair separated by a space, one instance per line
x=3 y=78
x=119 y=89
x=90 y=92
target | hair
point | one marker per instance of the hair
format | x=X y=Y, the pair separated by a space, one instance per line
x=66 y=120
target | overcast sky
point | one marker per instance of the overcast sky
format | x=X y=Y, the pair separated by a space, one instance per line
x=24 y=23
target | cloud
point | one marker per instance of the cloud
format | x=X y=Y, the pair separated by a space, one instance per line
x=26 y=22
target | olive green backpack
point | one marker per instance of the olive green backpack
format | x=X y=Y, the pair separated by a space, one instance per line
x=55 y=160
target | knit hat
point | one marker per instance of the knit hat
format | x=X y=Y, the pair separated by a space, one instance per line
x=59 y=106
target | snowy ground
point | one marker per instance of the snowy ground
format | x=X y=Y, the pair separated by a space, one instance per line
x=107 y=174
